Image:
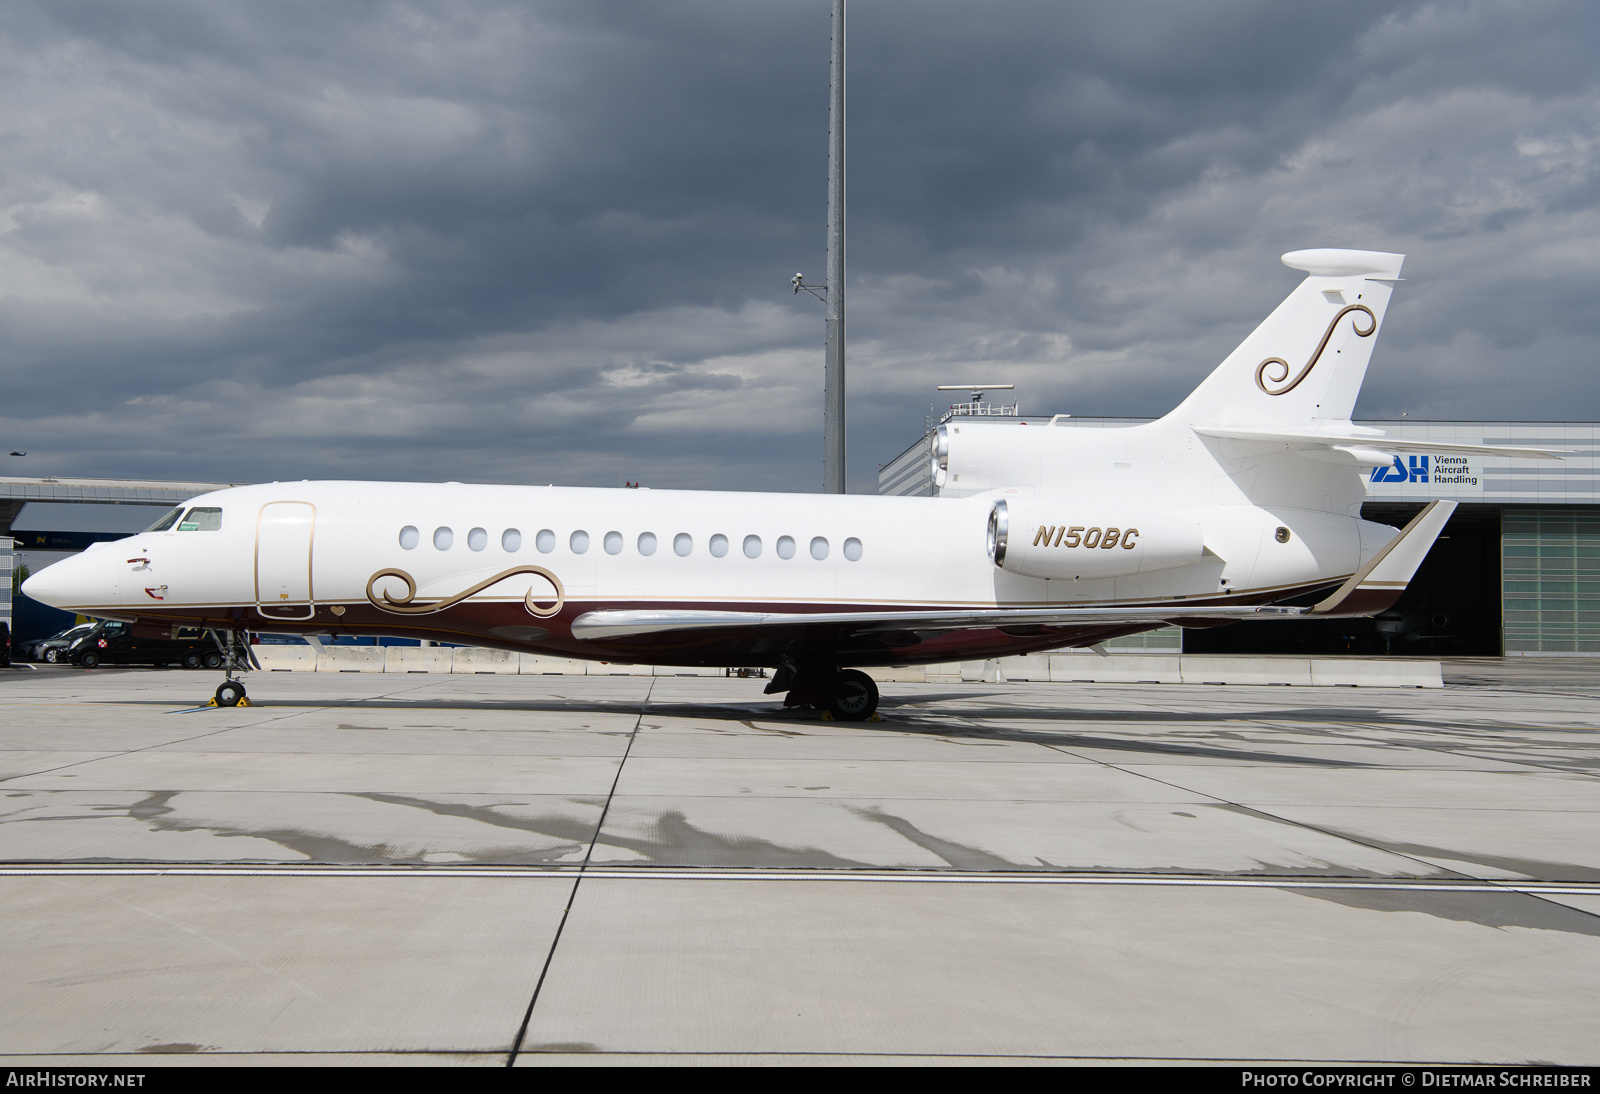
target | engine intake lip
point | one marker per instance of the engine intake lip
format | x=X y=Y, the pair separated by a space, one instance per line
x=999 y=532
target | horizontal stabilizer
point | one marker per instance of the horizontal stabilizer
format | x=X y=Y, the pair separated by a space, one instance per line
x=1377 y=585
x=630 y=623
x=1308 y=439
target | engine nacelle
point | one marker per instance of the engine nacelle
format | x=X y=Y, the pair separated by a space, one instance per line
x=1071 y=539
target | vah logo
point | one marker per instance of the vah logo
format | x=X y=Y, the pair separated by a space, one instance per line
x=1417 y=472
x=1053 y=535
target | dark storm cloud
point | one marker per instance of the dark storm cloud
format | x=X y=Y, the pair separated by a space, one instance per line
x=551 y=242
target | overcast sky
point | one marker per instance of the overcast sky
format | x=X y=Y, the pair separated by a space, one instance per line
x=552 y=242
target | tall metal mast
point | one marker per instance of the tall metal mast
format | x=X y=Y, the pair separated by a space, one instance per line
x=833 y=470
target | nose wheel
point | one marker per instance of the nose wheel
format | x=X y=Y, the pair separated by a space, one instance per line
x=230 y=693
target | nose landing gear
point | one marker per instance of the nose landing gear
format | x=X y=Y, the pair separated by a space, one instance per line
x=230 y=693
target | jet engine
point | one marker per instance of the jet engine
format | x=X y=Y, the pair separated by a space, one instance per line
x=1042 y=537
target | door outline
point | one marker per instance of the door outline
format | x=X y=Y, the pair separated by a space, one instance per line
x=311 y=594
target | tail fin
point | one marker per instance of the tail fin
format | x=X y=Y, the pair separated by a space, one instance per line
x=1304 y=364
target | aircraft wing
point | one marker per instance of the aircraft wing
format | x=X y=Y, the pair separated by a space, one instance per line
x=1380 y=443
x=1370 y=590
x=624 y=623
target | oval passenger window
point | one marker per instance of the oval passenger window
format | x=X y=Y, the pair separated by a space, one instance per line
x=613 y=543
x=443 y=538
x=719 y=545
x=477 y=539
x=852 y=549
x=819 y=548
x=785 y=546
x=511 y=540
x=682 y=544
x=545 y=541
x=579 y=542
x=409 y=538
x=647 y=543
x=752 y=546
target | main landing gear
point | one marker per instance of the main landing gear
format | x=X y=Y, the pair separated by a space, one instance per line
x=230 y=693
x=848 y=695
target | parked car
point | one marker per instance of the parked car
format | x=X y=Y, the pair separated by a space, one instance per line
x=54 y=648
x=111 y=642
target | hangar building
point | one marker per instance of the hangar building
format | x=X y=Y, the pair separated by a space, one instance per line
x=1516 y=571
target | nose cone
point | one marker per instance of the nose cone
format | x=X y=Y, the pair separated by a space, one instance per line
x=84 y=580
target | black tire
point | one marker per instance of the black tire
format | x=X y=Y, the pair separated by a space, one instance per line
x=213 y=660
x=89 y=660
x=191 y=660
x=51 y=656
x=854 y=698
x=229 y=694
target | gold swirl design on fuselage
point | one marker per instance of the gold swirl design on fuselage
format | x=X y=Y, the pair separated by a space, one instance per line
x=403 y=605
x=1262 y=380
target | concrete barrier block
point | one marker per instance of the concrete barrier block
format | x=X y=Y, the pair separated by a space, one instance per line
x=276 y=658
x=417 y=658
x=351 y=659
x=1334 y=672
x=681 y=670
x=472 y=659
x=1116 y=668
x=1221 y=669
x=1032 y=666
x=898 y=674
x=945 y=672
x=537 y=664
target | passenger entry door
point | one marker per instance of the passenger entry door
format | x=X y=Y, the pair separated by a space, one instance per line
x=283 y=560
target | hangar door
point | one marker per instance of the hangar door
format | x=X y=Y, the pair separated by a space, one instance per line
x=283 y=560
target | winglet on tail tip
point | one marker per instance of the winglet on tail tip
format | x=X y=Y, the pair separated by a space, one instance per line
x=1377 y=585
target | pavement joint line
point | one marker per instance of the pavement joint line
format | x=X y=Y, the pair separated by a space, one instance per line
x=570 y=873
x=577 y=879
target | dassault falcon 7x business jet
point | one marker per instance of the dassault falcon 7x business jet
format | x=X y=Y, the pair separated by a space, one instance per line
x=1246 y=496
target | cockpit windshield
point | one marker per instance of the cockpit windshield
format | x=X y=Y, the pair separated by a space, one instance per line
x=201 y=519
x=168 y=519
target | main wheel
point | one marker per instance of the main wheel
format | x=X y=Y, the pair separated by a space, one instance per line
x=854 y=698
x=229 y=694
x=51 y=656
x=88 y=660
x=213 y=660
x=191 y=660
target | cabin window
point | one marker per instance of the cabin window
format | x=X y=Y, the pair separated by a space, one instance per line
x=852 y=549
x=785 y=546
x=443 y=538
x=511 y=541
x=409 y=537
x=477 y=539
x=545 y=541
x=579 y=542
x=752 y=546
x=168 y=519
x=613 y=543
x=719 y=545
x=819 y=548
x=647 y=543
x=201 y=519
x=682 y=544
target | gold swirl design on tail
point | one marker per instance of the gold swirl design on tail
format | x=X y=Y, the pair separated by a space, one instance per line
x=402 y=605
x=1262 y=379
